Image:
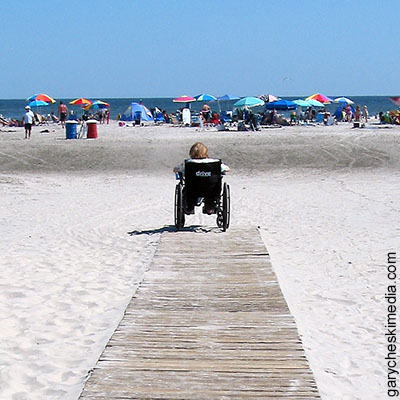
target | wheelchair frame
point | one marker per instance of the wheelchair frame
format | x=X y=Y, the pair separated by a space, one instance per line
x=222 y=207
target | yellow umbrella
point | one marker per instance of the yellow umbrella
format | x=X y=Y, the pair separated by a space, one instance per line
x=81 y=102
x=42 y=97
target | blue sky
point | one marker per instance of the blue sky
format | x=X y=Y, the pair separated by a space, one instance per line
x=156 y=48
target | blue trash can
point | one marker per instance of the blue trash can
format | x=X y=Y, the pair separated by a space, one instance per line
x=70 y=129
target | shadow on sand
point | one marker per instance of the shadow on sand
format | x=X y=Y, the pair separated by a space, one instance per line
x=172 y=228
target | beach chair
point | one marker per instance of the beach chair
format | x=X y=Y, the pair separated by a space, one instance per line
x=225 y=117
x=159 y=119
x=202 y=184
x=186 y=117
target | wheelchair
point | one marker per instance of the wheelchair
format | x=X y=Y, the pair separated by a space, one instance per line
x=202 y=181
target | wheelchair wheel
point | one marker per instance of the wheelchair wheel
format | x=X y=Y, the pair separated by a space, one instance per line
x=178 y=209
x=224 y=212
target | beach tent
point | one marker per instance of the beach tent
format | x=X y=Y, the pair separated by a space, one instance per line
x=129 y=114
x=338 y=112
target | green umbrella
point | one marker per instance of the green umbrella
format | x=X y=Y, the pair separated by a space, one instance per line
x=249 y=102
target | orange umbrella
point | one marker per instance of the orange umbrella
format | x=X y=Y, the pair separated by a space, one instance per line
x=96 y=105
x=42 y=97
x=81 y=102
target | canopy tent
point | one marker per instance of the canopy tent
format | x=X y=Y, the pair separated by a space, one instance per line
x=283 y=105
x=129 y=114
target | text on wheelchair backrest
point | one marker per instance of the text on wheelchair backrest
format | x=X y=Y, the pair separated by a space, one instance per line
x=203 y=174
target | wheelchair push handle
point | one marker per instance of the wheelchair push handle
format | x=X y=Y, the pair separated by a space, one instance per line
x=178 y=176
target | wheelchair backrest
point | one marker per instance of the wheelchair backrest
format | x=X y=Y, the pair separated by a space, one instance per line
x=203 y=179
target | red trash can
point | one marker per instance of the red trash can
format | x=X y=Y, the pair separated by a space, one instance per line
x=91 y=129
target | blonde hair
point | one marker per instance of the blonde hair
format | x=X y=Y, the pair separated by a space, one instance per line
x=198 y=151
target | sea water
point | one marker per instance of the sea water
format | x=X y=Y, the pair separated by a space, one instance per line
x=14 y=108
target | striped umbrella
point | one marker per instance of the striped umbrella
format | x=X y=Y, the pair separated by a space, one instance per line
x=343 y=100
x=42 y=97
x=98 y=104
x=320 y=97
x=205 y=97
x=81 y=102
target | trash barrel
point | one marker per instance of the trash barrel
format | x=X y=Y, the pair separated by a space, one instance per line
x=91 y=129
x=70 y=129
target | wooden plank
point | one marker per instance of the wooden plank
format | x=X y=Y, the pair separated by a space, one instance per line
x=208 y=321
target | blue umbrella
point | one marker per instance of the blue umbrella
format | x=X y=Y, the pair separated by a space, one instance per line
x=316 y=103
x=205 y=97
x=97 y=105
x=302 y=103
x=228 y=97
x=249 y=102
x=283 y=105
x=37 y=103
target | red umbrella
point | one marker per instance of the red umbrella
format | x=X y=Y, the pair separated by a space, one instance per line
x=395 y=100
x=320 y=97
x=184 y=99
x=81 y=102
x=42 y=97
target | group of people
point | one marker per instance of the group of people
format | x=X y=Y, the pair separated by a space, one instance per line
x=29 y=118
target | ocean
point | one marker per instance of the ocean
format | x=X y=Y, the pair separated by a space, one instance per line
x=14 y=108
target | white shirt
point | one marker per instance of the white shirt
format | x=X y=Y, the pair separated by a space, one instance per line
x=28 y=117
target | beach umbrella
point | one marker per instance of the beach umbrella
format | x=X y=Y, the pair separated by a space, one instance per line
x=343 y=100
x=316 y=103
x=81 y=102
x=395 y=100
x=249 y=102
x=42 y=97
x=96 y=105
x=205 y=97
x=283 y=105
x=268 y=98
x=184 y=99
x=302 y=103
x=38 y=103
x=320 y=97
x=227 y=97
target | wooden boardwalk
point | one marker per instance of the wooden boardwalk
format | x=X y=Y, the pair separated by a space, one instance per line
x=208 y=322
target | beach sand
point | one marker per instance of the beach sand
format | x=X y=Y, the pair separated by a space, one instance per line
x=80 y=221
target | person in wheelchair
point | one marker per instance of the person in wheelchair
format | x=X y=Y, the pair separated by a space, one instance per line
x=202 y=179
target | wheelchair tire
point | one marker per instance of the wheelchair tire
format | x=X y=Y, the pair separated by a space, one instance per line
x=226 y=207
x=224 y=212
x=178 y=209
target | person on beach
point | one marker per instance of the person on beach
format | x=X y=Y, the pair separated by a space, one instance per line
x=29 y=117
x=349 y=113
x=62 y=113
x=357 y=114
x=199 y=153
x=365 y=114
